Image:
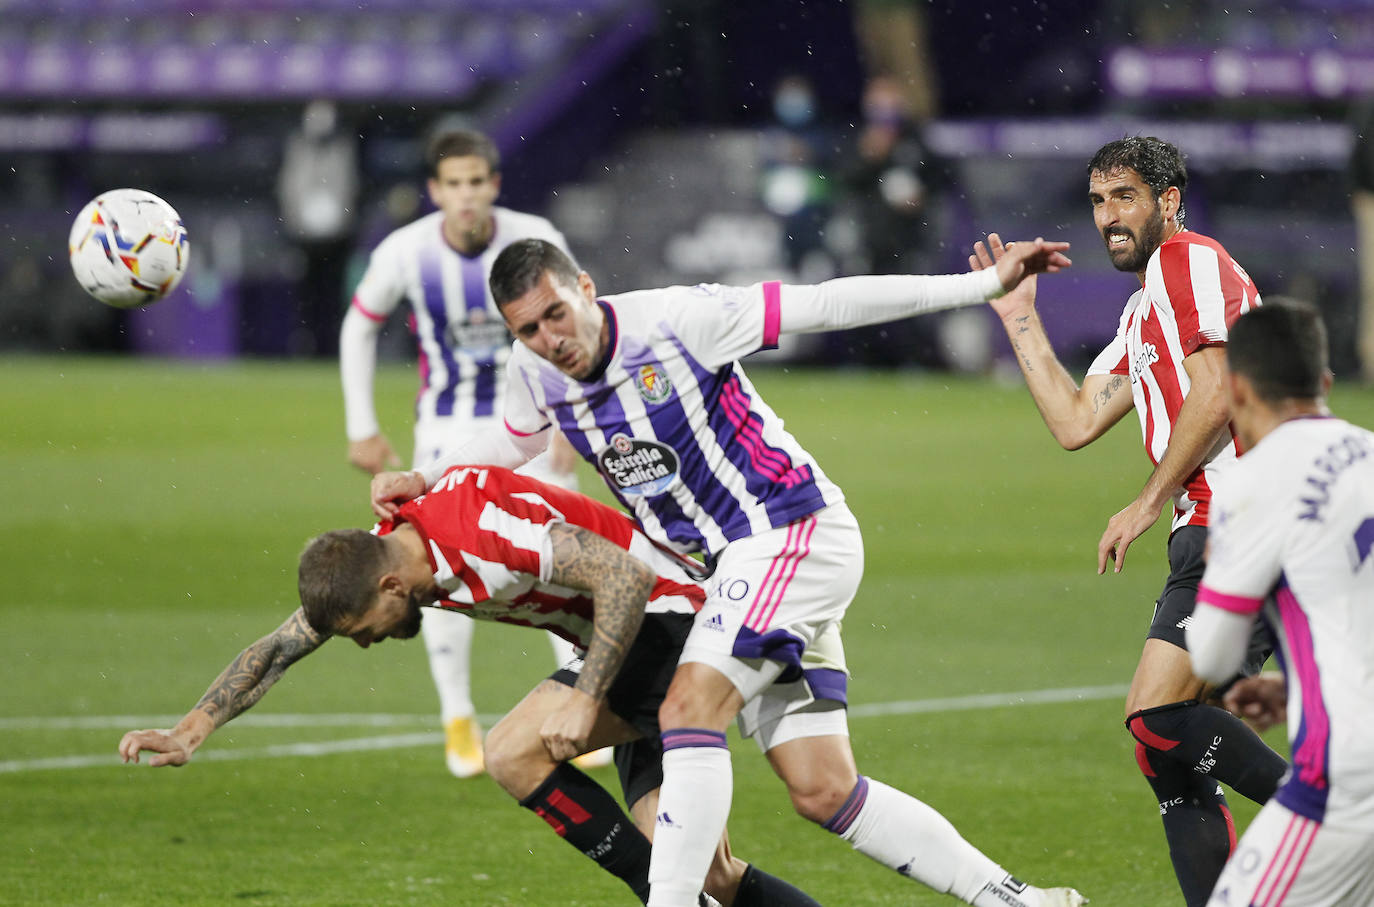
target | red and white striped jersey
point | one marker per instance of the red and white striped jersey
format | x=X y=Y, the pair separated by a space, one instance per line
x=1193 y=293
x=487 y=531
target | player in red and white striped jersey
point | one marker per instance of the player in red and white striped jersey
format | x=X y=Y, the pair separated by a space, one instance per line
x=501 y=546
x=1169 y=351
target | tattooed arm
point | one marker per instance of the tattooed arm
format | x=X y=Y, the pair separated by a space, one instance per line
x=236 y=690
x=620 y=585
x=1075 y=415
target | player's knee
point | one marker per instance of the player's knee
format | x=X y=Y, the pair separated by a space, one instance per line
x=680 y=711
x=818 y=799
x=512 y=761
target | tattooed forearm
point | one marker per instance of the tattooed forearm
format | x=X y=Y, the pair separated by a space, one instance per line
x=1112 y=388
x=1022 y=326
x=257 y=667
x=620 y=586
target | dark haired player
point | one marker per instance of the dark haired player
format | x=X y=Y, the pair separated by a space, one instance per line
x=1292 y=537
x=646 y=385
x=1168 y=362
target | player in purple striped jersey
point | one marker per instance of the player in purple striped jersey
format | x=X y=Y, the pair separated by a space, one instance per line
x=1290 y=540
x=648 y=388
x=439 y=265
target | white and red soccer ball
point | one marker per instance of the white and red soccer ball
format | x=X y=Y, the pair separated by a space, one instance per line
x=128 y=248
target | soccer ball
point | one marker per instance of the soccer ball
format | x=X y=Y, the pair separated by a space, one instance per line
x=128 y=248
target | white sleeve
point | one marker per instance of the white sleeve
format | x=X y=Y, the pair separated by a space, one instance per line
x=1217 y=640
x=495 y=447
x=357 y=367
x=850 y=302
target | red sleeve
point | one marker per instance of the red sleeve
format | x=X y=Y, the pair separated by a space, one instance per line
x=1206 y=290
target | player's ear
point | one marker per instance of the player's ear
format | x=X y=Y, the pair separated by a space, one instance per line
x=1327 y=380
x=496 y=182
x=432 y=185
x=391 y=584
x=586 y=286
x=1169 y=202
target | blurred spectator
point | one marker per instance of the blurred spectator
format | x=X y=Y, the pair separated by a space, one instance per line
x=318 y=191
x=889 y=184
x=796 y=155
x=1362 y=201
x=896 y=40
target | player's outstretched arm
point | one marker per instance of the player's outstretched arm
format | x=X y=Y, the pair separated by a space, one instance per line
x=1075 y=415
x=238 y=687
x=620 y=585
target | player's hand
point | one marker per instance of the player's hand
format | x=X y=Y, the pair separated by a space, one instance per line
x=373 y=454
x=1014 y=301
x=170 y=749
x=1262 y=700
x=1125 y=527
x=392 y=489
x=1022 y=259
x=566 y=731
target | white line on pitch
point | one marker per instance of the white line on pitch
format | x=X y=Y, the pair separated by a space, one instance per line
x=398 y=741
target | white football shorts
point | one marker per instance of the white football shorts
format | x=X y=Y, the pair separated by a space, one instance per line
x=1288 y=860
x=769 y=600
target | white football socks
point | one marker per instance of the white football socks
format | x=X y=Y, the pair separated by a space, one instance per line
x=448 y=639
x=693 y=805
x=904 y=834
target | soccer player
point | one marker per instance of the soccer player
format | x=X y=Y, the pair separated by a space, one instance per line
x=439 y=265
x=1168 y=361
x=1291 y=536
x=646 y=386
x=495 y=545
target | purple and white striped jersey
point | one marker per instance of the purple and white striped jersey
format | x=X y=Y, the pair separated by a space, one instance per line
x=1292 y=538
x=672 y=423
x=462 y=339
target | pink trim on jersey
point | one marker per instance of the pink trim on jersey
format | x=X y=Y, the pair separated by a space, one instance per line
x=1310 y=756
x=373 y=316
x=525 y=434
x=780 y=573
x=1286 y=863
x=1236 y=604
x=772 y=314
x=771 y=463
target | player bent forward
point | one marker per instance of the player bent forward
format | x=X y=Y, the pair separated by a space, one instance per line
x=500 y=546
x=1292 y=537
x=646 y=386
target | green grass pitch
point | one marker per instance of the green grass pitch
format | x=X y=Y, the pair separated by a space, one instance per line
x=153 y=514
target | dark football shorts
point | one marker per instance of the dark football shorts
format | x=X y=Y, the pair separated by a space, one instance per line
x=1174 y=609
x=636 y=694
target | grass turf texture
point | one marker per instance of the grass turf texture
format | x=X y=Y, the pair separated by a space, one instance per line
x=154 y=512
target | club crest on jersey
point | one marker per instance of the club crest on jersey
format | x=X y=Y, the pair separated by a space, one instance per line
x=653 y=384
x=636 y=466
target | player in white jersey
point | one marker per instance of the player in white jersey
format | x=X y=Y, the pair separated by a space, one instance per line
x=495 y=545
x=1291 y=542
x=646 y=386
x=439 y=265
x=1169 y=352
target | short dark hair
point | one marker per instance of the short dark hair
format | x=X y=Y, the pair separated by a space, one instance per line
x=1159 y=163
x=461 y=143
x=338 y=575
x=518 y=268
x=1281 y=348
